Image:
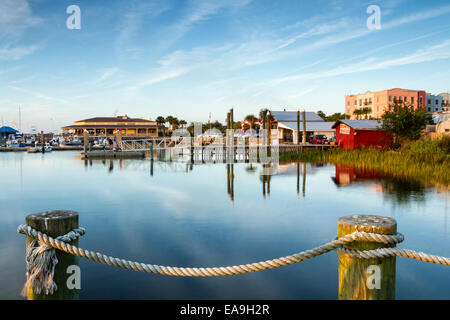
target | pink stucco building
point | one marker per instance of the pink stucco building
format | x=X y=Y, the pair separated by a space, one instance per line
x=380 y=101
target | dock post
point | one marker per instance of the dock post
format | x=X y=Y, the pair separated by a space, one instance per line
x=85 y=140
x=54 y=224
x=304 y=127
x=366 y=279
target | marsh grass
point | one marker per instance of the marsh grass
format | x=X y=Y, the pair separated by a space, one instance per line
x=424 y=160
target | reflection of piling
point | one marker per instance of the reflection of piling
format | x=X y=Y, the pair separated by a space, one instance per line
x=230 y=181
x=298 y=178
x=266 y=181
x=304 y=179
x=151 y=167
x=55 y=224
x=366 y=279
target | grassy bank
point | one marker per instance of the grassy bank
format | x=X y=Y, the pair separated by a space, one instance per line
x=424 y=160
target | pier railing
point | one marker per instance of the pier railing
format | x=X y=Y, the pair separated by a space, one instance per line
x=366 y=245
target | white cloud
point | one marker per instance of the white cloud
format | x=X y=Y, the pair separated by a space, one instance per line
x=436 y=52
x=15 y=18
x=16 y=53
x=38 y=95
x=106 y=74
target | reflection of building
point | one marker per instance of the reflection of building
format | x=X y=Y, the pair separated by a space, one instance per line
x=346 y=175
x=286 y=123
x=380 y=101
x=107 y=126
x=353 y=134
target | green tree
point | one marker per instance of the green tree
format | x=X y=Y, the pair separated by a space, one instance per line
x=405 y=123
x=365 y=111
x=321 y=114
x=358 y=113
x=182 y=123
x=160 y=121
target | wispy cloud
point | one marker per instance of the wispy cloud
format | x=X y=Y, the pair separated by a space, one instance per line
x=15 y=18
x=38 y=95
x=320 y=29
x=436 y=52
x=198 y=11
x=8 y=52
x=106 y=74
x=132 y=22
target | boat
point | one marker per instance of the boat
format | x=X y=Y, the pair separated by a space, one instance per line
x=38 y=149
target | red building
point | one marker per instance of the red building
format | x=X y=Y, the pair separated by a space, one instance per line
x=354 y=134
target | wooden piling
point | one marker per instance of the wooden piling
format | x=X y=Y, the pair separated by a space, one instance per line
x=54 y=224
x=304 y=127
x=366 y=279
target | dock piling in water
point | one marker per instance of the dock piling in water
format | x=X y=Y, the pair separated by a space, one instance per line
x=366 y=279
x=55 y=223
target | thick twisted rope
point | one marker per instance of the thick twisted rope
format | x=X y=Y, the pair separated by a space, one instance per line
x=389 y=252
x=41 y=262
x=214 y=271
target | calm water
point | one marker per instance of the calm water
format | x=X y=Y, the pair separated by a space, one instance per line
x=177 y=215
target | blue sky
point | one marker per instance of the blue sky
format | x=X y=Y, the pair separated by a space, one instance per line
x=192 y=58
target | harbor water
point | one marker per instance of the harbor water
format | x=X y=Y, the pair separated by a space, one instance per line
x=198 y=215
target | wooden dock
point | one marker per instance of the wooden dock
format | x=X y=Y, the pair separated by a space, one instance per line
x=109 y=154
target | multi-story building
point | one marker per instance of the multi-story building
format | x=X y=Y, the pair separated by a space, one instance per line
x=379 y=102
x=445 y=101
x=434 y=103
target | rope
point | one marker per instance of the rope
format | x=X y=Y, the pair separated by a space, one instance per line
x=390 y=252
x=41 y=262
x=241 y=269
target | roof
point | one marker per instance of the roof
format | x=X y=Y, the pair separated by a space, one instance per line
x=115 y=119
x=361 y=124
x=7 y=130
x=292 y=116
x=310 y=126
x=108 y=126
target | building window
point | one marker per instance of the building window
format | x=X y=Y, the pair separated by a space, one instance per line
x=429 y=101
x=356 y=102
x=390 y=98
x=348 y=103
x=429 y=109
x=437 y=102
x=412 y=99
x=360 y=102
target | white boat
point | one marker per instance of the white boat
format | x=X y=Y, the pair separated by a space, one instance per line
x=38 y=149
x=12 y=144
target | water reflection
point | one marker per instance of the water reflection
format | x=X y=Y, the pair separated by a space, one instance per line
x=183 y=213
x=400 y=190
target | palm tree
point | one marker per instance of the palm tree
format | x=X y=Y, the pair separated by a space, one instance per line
x=357 y=113
x=160 y=121
x=182 y=123
x=365 y=111
x=262 y=116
